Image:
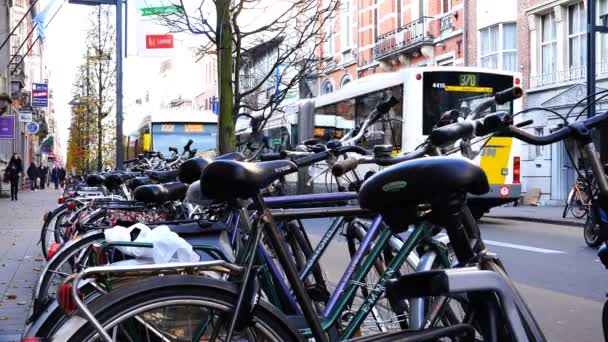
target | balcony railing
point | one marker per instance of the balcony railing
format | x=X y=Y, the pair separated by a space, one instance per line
x=404 y=39
x=571 y=74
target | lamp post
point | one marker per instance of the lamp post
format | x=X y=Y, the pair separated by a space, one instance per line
x=118 y=4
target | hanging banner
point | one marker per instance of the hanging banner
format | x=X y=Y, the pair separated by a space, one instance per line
x=7 y=127
x=40 y=95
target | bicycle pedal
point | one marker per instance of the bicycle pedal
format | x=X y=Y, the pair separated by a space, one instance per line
x=317 y=293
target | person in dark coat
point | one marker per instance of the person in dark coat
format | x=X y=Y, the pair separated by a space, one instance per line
x=55 y=176
x=33 y=173
x=62 y=174
x=13 y=171
x=44 y=170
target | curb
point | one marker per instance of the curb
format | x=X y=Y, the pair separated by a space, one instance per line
x=540 y=220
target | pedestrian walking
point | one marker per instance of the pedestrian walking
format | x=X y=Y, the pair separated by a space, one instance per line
x=62 y=174
x=33 y=173
x=55 y=176
x=44 y=170
x=13 y=171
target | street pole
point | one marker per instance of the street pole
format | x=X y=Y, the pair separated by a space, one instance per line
x=590 y=57
x=119 y=147
x=88 y=113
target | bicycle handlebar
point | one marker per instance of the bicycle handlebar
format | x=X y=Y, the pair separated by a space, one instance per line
x=508 y=95
x=343 y=166
x=187 y=147
x=270 y=156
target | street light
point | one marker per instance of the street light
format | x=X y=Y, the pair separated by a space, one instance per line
x=118 y=3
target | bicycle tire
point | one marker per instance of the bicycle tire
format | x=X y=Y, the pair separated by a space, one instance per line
x=577 y=208
x=131 y=300
x=51 y=219
x=52 y=268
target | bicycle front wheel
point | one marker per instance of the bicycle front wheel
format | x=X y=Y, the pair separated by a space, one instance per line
x=177 y=308
x=577 y=204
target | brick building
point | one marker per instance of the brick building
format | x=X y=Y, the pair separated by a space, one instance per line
x=552 y=57
x=372 y=36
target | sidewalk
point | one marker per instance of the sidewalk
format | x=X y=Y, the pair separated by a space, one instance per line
x=20 y=256
x=544 y=214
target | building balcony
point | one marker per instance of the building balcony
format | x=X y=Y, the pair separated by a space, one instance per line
x=406 y=39
x=573 y=73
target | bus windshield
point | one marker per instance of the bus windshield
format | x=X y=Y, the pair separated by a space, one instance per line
x=165 y=135
x=463 y=91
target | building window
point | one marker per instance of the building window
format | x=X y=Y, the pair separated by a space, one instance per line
x=538 y=150
x=345 y=80
x=376 y=21
x=346 y=26
x=577 y=30
x=329 y=38
x=498 y=45
x=327 y=87
x=548 y=43
x=446 y=6
x=603 y=38
x=449 y=61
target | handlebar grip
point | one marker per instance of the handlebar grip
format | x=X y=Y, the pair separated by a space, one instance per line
x=385 y=106
x=187 y=147
x=452 y=132
x=508 y=95
x=309 y=160
x=343 y=166
x=524 y=123
x=173 y=149
x=270 y=156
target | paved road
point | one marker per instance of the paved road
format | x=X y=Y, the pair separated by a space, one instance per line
x=558 y=275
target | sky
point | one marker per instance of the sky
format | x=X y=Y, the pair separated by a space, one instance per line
x=65 y=48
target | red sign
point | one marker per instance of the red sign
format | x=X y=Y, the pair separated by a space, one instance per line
x=159 y=41
x=504 y=191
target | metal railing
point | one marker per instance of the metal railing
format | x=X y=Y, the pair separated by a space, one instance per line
x=571 y=74
x=403 y=38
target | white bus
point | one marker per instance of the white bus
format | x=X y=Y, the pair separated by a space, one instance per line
x=425 y=93
x=173 y=128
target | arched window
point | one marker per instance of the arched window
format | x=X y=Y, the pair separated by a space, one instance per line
x=345 y=80
x=327 y=87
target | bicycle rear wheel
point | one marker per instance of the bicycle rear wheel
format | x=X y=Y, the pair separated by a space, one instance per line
x=577 y=204
x=177 y=308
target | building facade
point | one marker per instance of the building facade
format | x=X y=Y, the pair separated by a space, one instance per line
x=22 y=60
x=553 y=62
x=374 y=36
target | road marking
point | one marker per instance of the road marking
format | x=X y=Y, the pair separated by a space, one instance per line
x=522 y=247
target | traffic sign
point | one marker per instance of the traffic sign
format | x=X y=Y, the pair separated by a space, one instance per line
x=32 y=127
x=25 y=116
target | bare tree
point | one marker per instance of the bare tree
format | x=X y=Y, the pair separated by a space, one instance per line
x=294 y=29
x=100 y=75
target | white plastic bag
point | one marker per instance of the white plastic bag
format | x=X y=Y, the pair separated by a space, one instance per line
x=167 y=246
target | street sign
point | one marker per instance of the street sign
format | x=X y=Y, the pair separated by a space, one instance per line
x=40 y=95
x=159 y=41
x=7 y=127
x=25 y=117
x=32 y=127
x=160 y=10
